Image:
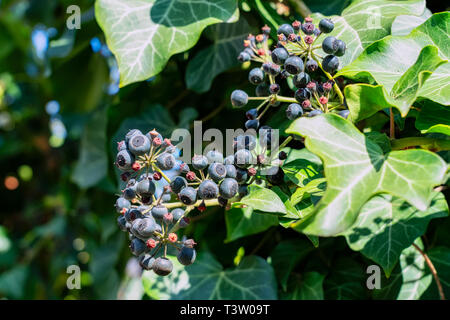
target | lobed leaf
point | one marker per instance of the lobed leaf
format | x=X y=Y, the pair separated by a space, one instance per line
x=387 y=225
x=144 y=34
x=366 y=21
x=356 y=169
x=418 y=67
x=206 y=279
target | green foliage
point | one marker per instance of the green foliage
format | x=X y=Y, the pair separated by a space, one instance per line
x=144 y=34
x=366 y=21
x=386 y=226
x=427 y=58
x=356 y=169
x=355 y=193
x=252 y=279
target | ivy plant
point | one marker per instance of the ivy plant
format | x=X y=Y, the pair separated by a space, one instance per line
x=361 y=98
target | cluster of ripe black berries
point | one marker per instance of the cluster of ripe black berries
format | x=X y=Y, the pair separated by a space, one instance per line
x=211 y=179
x=294 y=57
x=147 y=218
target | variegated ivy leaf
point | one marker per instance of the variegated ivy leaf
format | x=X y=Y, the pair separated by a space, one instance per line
x=366 y=21
x=404 y=24
x=404 y=67
x=387 y=225
x=356 y=169
x=220 y=56
x=206 y=279
x=144 y=34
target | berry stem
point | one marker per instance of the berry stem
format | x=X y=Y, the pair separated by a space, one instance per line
x=286 y=99
x=208 y=203
x=426 y=143
x=433 y=271
x=257 y=98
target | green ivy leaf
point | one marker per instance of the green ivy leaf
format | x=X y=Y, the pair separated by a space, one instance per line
x=242 y=222
x=144 y=34
x=301 y=171
x=220 y=56
x=387 y=225
x=291 y=211
x=364 y=100
x=406 y=79
x=286 y=256
x=206 y=279
x=381 y=139
x=409 y=280
x=366 y=21
x=412 y=280
x=346 y=281
x=264 y=200
x=308 y=287
x=356 y=169
x=433 y=117
x=92 y=164
x=404 y=24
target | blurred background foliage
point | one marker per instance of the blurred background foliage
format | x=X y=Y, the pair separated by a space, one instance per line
x=61 y=111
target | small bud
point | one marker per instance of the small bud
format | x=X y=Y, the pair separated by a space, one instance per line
x=157 y=142
x=168 y=217
x=323 y=100
x=191 y=176
x=281 y=37
x=309 y=39
x=154 y=133
x=292 y=37
x=261 y=52
x=327 y=86
x=259 y=38
x=246 y=43
x=172 y=237
x=151 y=243
x=251 y=172
x=136 y=166
x=306 y=103
x=311 y=85
x=167 y=142
x=265 y=29
x=296 y=24
x=308 y=19
x=123 y=211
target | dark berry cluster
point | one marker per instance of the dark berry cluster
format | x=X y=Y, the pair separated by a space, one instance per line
x=149 y=219
x=211 y=179
x=295 y=57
